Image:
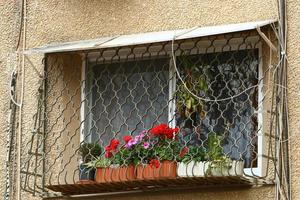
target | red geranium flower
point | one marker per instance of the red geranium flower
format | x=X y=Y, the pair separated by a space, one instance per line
x=114 y=144
x=154 y=163
x=108 y=154
x=183 y=151
x=108 y=148
x=127 y=138
x=176 y=130
x=163 y=130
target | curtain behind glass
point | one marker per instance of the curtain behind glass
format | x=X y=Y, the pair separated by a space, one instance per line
x=126 y=98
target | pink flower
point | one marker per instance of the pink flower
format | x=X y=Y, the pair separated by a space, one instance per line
x=146 y=145
x=135 y=140
x=141 y=135
x=131 y=143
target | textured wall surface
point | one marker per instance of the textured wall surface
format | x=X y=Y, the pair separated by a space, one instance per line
x=8 y=35
x=51 y=21
x=293 y=52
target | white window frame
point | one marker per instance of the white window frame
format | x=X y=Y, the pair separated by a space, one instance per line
x=258 y=171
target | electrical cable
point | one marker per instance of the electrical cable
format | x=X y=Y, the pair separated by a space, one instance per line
x=285 y=152
x=21 y=102
x=12 y=114
x=21 y=25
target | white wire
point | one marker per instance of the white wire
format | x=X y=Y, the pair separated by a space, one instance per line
x=196 y=96
x=21 y=103
x=10 y=91
x=210 y=100
x=282 y=40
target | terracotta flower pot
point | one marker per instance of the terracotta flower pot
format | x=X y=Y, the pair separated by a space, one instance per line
x=167 y=169
x=117 y=174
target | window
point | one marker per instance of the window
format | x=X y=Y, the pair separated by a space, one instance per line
x=126 y=98
x=209 y=95
x=219 y=76
x=128 y=92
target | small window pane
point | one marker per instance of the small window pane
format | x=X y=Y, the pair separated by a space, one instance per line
x=127 y=98
x=218 y=76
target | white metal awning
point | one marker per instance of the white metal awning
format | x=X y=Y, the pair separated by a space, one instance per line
x=145 y=38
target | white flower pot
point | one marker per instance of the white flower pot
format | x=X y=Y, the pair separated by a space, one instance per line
x=236 y=169
x=191 y=169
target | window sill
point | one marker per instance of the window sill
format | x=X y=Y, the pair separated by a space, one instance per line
x=156 y=184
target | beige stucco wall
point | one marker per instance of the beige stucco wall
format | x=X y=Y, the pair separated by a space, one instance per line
x=59 y=21
x=293 y=51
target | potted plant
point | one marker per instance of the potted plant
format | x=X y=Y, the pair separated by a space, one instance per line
x=192 y=162
x=161 y=161
x=88 y=152
x=136 y=151
x=116 y=165
x=225 y=166
x=220 y=164
x=101 y=165
x=125 y=159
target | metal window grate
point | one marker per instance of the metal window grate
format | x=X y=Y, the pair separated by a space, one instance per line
x=213 y=127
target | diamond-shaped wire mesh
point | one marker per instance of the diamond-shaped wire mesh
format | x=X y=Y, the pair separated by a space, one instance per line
x=131 y=114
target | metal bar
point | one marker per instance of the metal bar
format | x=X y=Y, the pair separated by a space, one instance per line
x=147 y=38
x=31 y=173
x=266 y=39
x=150 y=191
x=35 y=154
x=44 y=120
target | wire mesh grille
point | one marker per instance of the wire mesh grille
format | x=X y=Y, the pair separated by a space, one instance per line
x=131 y=114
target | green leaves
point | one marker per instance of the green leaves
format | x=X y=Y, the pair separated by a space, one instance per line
x=215 y=150
x=98 y=163
x=211 y=151
x=135 y=155
x=218 y=161
x=125 y=157
x=90 y=151
x=195 y=153
x=167 y=149
x=195 y=81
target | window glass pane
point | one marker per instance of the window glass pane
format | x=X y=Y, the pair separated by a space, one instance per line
x=127 y=98
x=218 y=76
